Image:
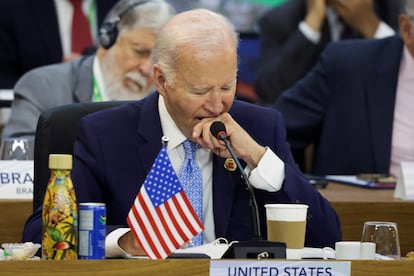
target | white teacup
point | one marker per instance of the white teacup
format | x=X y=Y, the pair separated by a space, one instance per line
x=347 y=250
x=354 y=250
x=367 y=251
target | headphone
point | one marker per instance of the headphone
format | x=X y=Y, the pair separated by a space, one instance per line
x=108 y=32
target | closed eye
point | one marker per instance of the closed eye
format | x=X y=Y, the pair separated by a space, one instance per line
x=200 y=90
x=142 y=52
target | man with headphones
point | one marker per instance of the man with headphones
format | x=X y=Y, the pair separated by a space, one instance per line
x=120 y=69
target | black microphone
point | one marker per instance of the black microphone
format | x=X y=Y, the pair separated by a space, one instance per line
x=218 y=130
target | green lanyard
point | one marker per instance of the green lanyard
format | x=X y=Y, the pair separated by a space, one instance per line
x=92 y=17
x=96 y=96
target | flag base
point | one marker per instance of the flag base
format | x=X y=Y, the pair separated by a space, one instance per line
x=256 y=249
x=188 y=256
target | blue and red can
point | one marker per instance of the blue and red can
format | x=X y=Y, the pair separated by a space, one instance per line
x=92 y=230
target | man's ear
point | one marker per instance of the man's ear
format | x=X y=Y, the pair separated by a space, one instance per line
x=159 y=79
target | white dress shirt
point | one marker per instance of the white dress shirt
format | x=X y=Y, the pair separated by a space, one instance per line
x=268 y=175
x=402 y=148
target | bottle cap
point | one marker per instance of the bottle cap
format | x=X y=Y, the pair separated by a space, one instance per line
x=60 y=161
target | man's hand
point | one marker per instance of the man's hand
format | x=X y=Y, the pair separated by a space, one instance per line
x=245 y=147
x=128 y=243
x=358 y=14
x=316 y=13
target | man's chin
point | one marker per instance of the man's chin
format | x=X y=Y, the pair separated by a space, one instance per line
x=124 y=94
x=131 y=96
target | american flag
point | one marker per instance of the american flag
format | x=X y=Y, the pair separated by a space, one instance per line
x=162 y=218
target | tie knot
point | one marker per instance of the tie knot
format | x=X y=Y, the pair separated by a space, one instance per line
x=190 y=148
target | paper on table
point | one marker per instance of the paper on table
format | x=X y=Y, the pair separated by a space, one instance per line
x=215 y=249
x=355 y=181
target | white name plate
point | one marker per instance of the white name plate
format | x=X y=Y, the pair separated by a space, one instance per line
x=405 y=181
x=16 y=179
x=279 y=268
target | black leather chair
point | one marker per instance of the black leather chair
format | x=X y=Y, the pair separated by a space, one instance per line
x=56 y=133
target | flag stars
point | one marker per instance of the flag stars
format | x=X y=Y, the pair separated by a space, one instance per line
x=162 y=182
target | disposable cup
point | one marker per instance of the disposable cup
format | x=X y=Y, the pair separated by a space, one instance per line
x=287 y=223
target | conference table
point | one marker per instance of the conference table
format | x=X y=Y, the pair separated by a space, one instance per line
x=175 y=267
x=354 y=206
x=13 y=214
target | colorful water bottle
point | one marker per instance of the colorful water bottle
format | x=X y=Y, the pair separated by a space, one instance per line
x=60 y=212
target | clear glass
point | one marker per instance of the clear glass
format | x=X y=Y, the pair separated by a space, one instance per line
x=385 y=235
x=17 y=149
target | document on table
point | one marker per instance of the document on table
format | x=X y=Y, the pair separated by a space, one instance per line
x=355 y=181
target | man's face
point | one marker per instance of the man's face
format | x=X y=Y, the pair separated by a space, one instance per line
x=205 y=86
x=126 y=66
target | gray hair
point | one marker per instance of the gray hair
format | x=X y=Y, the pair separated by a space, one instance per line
x=151 y=14
x=198 y=29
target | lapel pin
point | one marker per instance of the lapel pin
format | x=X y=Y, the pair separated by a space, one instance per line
x=230 y=165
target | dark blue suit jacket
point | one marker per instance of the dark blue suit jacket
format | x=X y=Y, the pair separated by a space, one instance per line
x=287 y=55
x=29 y=36
x=115 y=150
x=345 y=106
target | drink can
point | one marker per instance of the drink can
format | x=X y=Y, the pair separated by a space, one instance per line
x=92 y=230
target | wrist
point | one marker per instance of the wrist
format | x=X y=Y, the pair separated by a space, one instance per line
x=128 y=243
x=314 y=21
x=254 y=157
x=369 y=27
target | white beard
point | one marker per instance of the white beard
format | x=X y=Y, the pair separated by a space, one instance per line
x=115 y=89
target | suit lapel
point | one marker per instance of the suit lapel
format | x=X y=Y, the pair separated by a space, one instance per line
x=149 y=131
x=223 y=196
x=380 y=93
x=83 y=83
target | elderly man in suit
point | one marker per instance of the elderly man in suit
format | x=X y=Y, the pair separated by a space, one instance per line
x=355 y=105
x=120 y=70
x=195 y=73
x=293 y=35
x=32 y=34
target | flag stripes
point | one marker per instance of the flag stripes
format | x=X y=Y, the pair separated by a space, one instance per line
x=162 y=218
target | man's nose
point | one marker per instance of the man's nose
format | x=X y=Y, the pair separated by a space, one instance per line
x=144 y=66
x=215 y=103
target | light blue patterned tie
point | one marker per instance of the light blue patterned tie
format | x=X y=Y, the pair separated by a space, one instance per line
x=190 y=178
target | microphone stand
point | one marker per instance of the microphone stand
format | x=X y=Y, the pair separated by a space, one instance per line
x=257 y=248
x=254 y=209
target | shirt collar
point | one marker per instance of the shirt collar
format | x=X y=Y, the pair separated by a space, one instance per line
x=169 y=128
